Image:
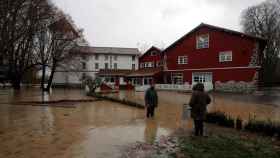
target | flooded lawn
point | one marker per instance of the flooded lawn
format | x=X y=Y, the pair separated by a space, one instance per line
x=261 y=105
x=93 y=129
x=100 y=129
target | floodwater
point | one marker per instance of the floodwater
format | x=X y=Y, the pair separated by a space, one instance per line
x=101 y=129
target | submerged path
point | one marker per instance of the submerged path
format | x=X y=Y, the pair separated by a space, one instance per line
x=98 y=129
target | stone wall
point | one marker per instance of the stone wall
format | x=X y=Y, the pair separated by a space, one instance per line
x=236 y=87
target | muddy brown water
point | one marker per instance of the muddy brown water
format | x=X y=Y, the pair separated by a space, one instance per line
x=101 y=129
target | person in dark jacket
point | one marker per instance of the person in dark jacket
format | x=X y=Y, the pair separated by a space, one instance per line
x=198 y=104
x=151 y=101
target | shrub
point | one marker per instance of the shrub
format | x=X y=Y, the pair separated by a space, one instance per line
x=220 y=118
x=267 y=128
x=238 y=124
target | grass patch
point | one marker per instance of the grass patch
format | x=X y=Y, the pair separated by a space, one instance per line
x=227 y=147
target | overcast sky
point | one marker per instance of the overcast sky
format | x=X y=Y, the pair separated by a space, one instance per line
x=138 y=23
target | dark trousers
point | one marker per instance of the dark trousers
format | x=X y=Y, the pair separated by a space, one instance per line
x=198 y=127
x=150 y=111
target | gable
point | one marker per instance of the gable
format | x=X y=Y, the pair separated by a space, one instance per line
x=206 y=29
x=153 y=51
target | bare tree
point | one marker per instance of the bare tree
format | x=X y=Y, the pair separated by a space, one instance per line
x=34 y=33
x=20 y=21
x=64 y=40
x=263 y=20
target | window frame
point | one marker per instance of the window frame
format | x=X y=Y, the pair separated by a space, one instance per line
x=182 y=60
x=224 y=56
x=177 y=78
x=84 y=65
x=106 y=66
x=96 y=66
x=96 y=57
x=106 y=57
x=202 y=45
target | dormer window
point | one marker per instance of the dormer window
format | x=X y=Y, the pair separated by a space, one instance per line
x=202 y=41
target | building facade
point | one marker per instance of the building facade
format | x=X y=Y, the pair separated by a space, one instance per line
x=218 y=57
x=91 y=60
x=150 y=68
x=152 y=58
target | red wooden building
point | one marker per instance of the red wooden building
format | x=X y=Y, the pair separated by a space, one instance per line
x=152 y=58
x=213 y=55
x=150 y=68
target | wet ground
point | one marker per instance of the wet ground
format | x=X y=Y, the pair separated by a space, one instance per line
x=100 y=129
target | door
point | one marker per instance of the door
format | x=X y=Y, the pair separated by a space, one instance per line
x=203 y=77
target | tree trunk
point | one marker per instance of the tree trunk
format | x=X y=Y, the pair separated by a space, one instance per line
x=43 y=77
x=51 y=76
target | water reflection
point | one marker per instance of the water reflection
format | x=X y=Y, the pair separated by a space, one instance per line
x=151 y=128
x=100 y=129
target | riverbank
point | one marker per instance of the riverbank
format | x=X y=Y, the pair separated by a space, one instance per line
x=220 y=142
x=124 y=101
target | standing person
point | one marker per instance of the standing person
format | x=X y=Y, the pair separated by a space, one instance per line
x=198 y=104
x=151 y=101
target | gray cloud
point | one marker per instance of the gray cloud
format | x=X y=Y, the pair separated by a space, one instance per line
x=130 y=23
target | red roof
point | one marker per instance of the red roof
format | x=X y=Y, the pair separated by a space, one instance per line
x=112 y=72
x=152 y=48
x=144 y=72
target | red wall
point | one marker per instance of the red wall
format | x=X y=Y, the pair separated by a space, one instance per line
x=241 y=47
x=246 y=75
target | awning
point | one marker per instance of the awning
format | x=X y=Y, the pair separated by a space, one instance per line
x=144 y=72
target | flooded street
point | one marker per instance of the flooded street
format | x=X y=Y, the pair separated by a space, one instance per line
x=101 y=129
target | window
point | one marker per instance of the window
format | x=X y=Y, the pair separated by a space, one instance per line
x=177 y=78
x=133 y=58
x=106 y=57
x=148 y=81
x=115 y=66
x=84 y=65
x=202 y=41
x=115 y=57
x=83 y=76
x=96 y=66
x=151 y=64
x=133 y=66
x=146 y=65
x=202 y=77
x=182 y=60
x=153 y=53
x=96 y=56
x=106 y=66
x=225 y=56
x=84 y=57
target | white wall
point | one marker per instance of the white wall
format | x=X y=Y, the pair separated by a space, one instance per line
x=63 y=76
x=123 y=62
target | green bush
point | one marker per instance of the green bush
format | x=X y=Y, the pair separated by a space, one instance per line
x=238 y=124
x=220 y=118
x=267 y=128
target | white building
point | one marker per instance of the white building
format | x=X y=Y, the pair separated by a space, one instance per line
x=90 y=60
